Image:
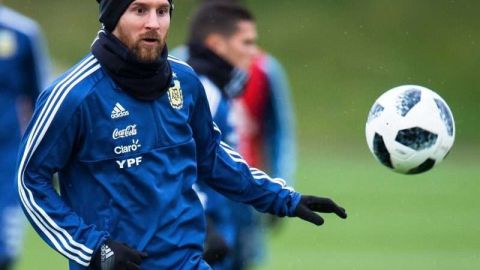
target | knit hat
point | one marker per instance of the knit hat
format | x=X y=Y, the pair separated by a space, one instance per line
x=112 y=10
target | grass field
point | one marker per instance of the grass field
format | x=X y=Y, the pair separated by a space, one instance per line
x=419 y=222
x=424 y=222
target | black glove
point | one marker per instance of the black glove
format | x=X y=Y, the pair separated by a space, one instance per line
x=216 y=249
x=308 y=204
x=113 y=255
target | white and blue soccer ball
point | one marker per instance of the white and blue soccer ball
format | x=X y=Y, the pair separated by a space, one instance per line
x=410 y=129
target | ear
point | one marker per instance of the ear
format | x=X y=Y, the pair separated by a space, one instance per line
x=216 y=43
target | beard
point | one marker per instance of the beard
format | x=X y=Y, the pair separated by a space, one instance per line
x=145 y=53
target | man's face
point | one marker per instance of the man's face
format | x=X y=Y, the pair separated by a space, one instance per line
x=143 y=28
x=239 y=48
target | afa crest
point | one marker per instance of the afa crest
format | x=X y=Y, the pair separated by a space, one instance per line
x=8 y=44
x=175 y=95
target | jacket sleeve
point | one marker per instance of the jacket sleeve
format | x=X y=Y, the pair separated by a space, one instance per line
x=38 y=63
x=36 y=67
x=223 y=169
x=46 y=148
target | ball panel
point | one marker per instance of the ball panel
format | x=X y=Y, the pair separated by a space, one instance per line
x=408 y=100
x=416 y=138
x=445 y=115
x=425 y=166
x=381 y=151
x=375 y=112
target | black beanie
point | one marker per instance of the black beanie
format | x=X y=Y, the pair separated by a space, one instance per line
x=112 y=10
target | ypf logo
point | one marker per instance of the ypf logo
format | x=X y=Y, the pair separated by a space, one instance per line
x=129 y=163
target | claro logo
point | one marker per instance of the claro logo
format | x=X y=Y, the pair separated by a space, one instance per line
x=129 y=131
x=124 y=149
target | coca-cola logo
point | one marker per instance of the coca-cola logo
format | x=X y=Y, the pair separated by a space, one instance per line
x=129 y=131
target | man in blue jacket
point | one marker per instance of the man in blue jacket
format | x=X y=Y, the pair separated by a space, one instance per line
x=23 y=74
x=129 y=131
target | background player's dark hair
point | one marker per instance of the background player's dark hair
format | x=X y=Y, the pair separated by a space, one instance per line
x=219 y=17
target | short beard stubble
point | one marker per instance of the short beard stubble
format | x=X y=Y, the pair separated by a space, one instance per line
x=144 y=54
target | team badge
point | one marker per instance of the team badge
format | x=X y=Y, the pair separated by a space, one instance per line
x=175 y=95
x=8 y=44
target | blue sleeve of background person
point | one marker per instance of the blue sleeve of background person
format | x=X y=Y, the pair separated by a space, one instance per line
x=36 y=60
x=40 y=67
x=47 y=147
x=280 y=128
x=224 y=169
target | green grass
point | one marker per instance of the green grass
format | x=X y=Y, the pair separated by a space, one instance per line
x=423 y=222
x=37 y=255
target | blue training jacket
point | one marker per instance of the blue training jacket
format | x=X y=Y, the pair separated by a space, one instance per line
x=126 y=169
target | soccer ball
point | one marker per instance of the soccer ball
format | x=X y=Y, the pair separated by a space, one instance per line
x=410 y=129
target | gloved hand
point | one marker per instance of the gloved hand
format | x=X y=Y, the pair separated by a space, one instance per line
x=113 y=255
x=309 y=204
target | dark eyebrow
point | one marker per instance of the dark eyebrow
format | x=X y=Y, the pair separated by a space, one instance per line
x=140 y=4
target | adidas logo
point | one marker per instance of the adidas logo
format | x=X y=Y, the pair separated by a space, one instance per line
x=119 y=111
x=106 y=252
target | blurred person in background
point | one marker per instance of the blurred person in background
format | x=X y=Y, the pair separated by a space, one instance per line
x=24 y=71
x=249 y=100
x=129 y=131
x=264 y=122
x=220 y=48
